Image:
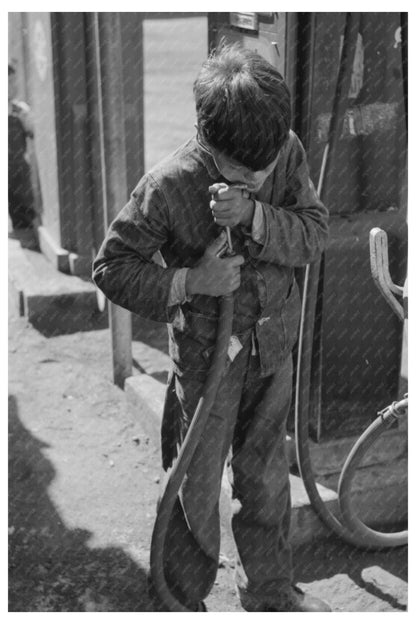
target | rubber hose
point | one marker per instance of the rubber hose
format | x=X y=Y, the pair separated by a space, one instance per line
x=186 y=453
x=349 y=517
x=302 y=433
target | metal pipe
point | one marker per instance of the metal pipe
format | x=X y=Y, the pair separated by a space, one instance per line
x=113 y=156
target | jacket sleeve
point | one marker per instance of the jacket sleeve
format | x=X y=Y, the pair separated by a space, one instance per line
x=295 y=231
x=123 y=268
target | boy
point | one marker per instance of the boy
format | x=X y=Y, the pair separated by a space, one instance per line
x=247 y=171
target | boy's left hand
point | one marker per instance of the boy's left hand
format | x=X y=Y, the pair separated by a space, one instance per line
x=231 y=206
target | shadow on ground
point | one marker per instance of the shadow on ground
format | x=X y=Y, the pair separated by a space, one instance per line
x=27 y=238
x=51 y=567
x=68 y=314
x=64 y=317
x=325 y=559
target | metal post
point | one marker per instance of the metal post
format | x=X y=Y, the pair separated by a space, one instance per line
x=110 y=80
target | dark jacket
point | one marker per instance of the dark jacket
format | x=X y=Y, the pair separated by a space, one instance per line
x=169 y=211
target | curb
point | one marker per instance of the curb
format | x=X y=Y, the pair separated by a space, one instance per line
x=50 y=300
x=144 y=391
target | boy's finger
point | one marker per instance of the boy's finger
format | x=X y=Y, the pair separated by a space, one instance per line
x=235 y=261
x=228 y=194
x=221 y=207
x=215 y=188
x=223 y=191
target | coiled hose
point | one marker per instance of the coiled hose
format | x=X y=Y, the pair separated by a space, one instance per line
x=186 y=453
x=350 y=519
x=349 y=527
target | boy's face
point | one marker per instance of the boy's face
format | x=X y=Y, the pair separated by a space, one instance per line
x=236 y=173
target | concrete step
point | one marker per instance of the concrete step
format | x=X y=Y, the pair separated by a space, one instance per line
x=52 y=301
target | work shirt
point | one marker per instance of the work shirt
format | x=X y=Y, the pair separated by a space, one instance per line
x=169 y=212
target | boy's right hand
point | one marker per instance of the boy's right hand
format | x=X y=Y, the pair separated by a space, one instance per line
x=213 y=275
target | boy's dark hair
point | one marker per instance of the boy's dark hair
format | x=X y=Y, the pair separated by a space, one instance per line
x=242 y=106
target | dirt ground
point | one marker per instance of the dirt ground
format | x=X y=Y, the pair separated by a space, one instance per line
x=83 y=484
x=82 y=478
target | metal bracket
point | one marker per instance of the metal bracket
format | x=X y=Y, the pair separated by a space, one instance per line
x=379 y=259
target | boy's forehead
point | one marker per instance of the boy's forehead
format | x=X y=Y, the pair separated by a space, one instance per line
x=231 y=161
x=222 y=159
x=237 y=165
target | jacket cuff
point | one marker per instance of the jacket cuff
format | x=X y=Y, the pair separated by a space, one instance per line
x=177 y=292
x=258 y=227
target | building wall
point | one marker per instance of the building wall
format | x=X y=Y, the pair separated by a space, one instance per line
x=58 y=56
x=16 y=52
x=40 y=85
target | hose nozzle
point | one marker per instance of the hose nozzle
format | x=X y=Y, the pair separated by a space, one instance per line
x=229 y=241
x=214 y=189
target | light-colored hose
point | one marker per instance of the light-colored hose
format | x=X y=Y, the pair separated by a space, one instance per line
x=374 y=539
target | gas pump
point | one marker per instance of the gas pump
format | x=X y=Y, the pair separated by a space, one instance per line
x=364 y=187
x=357 y=153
